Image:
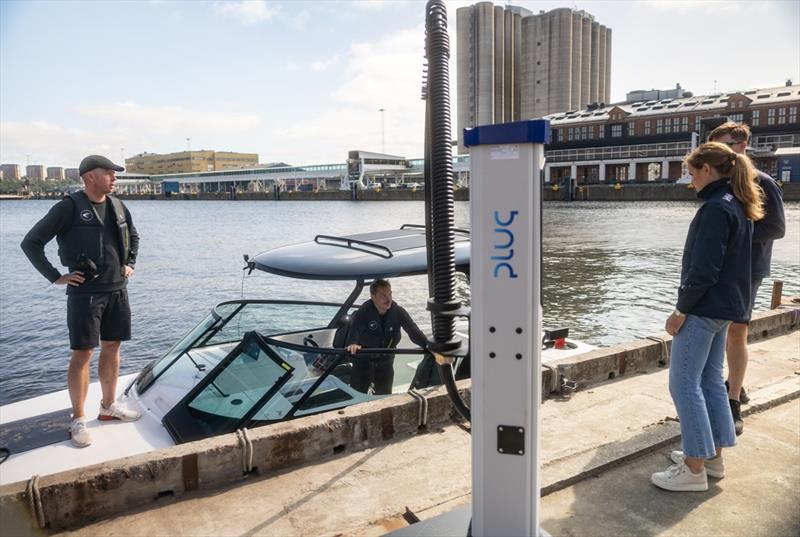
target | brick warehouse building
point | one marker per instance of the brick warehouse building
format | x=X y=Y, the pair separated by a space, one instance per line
x=647 y=140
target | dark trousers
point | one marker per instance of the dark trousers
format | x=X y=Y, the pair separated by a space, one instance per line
x=376 y=371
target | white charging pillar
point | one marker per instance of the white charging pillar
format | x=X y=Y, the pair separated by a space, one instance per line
x=506 y=331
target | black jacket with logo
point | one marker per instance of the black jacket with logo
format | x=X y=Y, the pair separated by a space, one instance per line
x=370 y=331
x=75 y=221
x=716 y=266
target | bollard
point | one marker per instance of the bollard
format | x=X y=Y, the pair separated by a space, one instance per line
x=777 y=291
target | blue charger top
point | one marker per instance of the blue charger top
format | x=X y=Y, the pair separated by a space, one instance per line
x=532 y=131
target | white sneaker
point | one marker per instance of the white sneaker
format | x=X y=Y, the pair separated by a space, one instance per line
x=117 y=412
x=715 y=467
x=79 y=434
x=679 y=478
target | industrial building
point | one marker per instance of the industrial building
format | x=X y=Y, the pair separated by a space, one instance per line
x=11 y=172
x=646 y=140
x=513 y=64
x=189 y=161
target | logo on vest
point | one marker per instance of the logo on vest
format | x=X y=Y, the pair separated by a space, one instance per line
x=373 y=325
x=87 y=215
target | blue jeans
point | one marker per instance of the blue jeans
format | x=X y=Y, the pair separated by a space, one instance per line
x=697 y=386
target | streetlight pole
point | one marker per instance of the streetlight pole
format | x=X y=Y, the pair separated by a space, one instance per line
x=189 y=145
x=383 y=140
x=122 y=154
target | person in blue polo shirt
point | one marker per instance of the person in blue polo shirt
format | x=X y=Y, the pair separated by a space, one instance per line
x=714 y=291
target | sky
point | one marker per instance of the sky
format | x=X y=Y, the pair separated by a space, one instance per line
x=302 y=82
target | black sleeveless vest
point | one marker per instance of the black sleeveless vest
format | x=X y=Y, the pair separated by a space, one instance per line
x=85 y=235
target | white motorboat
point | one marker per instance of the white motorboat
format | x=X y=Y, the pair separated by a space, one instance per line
x=248 y=363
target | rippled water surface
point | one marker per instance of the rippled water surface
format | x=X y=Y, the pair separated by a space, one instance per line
x=611 y=272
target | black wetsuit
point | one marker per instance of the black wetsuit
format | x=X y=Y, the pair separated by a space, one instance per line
x=372 y=330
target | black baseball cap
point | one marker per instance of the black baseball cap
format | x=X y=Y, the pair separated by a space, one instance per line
x=97 y=161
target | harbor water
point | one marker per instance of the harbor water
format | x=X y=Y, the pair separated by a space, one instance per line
x=611 y=272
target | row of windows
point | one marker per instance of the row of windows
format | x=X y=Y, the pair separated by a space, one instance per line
x=775 y=116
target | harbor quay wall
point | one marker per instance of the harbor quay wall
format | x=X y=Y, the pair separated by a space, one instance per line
x=593 y=192
x=76 y=497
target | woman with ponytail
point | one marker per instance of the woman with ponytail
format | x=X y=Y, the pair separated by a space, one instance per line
x=714 y=291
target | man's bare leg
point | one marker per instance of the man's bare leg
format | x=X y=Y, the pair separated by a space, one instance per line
x=736 y=351
x=78 y=379
x=108 y=370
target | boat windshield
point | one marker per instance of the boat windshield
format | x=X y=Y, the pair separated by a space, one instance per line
x=320 y=378
x=215 y=336
x=247 y=377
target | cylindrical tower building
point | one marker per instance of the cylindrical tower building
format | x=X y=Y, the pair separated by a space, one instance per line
x=586 y=59
x=608 y=67
x=577 y=56
x=601 y=64
x=499 y=63
x=594 y=74
x=560 y=73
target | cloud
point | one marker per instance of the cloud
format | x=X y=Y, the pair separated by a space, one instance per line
x=705 y=7
x=248 y=11
x=383 y=74
x=323 y=65
x=298 y=22
x=374 y=5
x=169 y=119
x=106 y=128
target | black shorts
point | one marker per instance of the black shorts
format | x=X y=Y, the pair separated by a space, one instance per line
x=105 y=316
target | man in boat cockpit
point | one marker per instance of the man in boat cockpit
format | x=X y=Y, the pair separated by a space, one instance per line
x=377 y=324
x=98 y=244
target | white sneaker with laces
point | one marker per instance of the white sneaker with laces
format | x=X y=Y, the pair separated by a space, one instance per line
x=715 y=467
x=79 y=434
x=117 y=411
x=679 y=478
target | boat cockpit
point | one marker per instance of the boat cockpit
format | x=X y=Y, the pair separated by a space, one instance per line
x=253 y=362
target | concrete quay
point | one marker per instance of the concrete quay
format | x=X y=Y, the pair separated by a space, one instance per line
x=604 y=430
x=593 y=192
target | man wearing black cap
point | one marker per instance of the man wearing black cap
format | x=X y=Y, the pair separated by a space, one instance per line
x=98 y=244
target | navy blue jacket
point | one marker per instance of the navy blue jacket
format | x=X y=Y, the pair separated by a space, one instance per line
x=715 y=272
x=769 y=228
x=370 y=331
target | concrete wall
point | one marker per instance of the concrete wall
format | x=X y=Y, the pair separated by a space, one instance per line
x=607 y=84
x=599 y=192
x=499 y=64
x=594 y=76
x=577 y=57
x=560 y=74
x=484 y=63
x=601 y=64
x=586 y=60
x=464 y=82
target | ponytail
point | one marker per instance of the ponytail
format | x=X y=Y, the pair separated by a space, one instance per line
x=745 y=187
x=738 y=168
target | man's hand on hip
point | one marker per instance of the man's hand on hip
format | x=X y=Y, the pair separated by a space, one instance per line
x=74 y=278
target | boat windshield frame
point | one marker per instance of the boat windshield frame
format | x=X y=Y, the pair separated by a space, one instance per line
x=146 y=379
